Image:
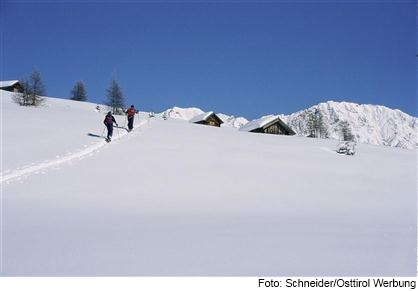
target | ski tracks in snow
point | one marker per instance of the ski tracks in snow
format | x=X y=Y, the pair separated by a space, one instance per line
x=9 y=176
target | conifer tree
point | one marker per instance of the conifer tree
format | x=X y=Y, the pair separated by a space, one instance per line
x=345 y=131
x=115 y=98
x=32 y=91
x=315 y=124
x=78 y=93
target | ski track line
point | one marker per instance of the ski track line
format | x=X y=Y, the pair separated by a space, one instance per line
x=54 y=163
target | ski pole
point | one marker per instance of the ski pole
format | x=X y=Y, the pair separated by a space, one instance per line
x=117 y=128
x=103 y=131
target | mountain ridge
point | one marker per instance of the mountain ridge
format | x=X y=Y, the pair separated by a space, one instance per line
x=370 y=124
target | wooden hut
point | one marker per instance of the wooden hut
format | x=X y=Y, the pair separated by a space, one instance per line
x=12 y=86
x=208 y=118
x=270 y=124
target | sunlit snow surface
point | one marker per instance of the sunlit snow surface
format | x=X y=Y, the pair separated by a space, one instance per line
x=173 y=198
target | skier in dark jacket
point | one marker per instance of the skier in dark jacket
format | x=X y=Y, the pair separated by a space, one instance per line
x=108 y=121
x=130 y=113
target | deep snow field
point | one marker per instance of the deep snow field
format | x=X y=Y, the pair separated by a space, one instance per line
x=173 y=198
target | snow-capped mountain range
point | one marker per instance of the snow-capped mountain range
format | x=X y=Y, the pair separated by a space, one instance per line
x=371 y=124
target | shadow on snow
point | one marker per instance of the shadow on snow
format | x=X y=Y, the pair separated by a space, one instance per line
x=95 y=135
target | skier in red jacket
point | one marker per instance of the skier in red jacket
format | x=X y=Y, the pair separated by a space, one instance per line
x=130 y=113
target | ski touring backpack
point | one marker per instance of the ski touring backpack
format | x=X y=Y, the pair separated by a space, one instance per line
x=109 y=119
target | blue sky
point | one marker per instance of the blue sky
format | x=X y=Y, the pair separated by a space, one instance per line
x=239 y=58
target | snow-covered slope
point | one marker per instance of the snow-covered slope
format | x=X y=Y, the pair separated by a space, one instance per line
x=54 y=130
x=173 y=198
x=372 y=124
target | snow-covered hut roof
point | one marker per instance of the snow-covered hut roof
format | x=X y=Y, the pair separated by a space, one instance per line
x=207 y=118
x=201 y=117
x=259 y=123
x=265 y=122
x=4 y=84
